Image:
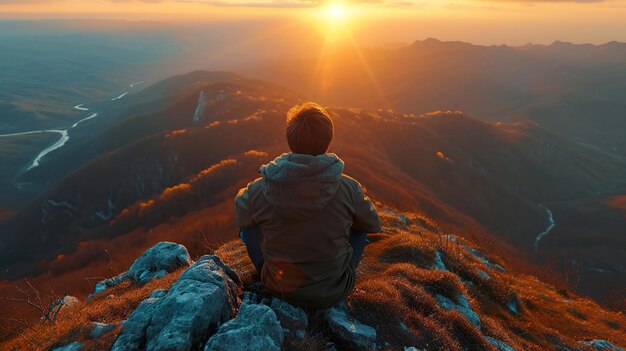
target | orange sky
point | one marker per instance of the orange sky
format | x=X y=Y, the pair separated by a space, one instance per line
x=379 y=21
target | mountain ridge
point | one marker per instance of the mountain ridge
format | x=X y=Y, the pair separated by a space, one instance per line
x=168 y=176
x=567 y=89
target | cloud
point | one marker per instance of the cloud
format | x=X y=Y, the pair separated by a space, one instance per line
x=292 y=3
x=25 y=1
x=398 y=4
x=456 y=6
x=245 y=3
x=541 y=1
x=261 y=3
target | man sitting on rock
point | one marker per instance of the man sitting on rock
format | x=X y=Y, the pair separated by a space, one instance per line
x=304 y=222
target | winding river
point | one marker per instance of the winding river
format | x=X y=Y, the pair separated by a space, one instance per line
x=63 y=133
x=551 y=225
x=119 y=97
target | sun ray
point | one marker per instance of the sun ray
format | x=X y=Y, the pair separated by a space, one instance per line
x=337 y=36
x=369 y=72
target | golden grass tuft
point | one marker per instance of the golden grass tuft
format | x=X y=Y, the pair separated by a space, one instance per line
x=75 y=323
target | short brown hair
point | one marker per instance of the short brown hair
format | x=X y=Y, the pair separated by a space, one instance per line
x=309 y=129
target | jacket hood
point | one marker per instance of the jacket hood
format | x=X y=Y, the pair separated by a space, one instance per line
x=301 y=185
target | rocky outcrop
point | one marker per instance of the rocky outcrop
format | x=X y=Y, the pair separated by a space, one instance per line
x=460 y=304
x=400 y=220
x=514 y=305
x=207 y=309
x=69 y=301
x=199 y=311
x=156 y=262
x=292 y=319
x=75 y=346
x=350 y=333
x=439 y=265
x=59 y=306
x=602 y=345
x=499 y=344
x=204 y=297
x=133 y=335
x=98 y=329
x=255 y=328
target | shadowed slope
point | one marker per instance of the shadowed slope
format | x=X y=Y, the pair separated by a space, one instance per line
x=470 y=176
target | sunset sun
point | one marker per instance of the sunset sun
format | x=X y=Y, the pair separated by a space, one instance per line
x=336 y=12
x=337 y=21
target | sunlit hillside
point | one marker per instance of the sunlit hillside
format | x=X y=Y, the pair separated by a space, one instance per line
x=177 y=164
x=419 y=285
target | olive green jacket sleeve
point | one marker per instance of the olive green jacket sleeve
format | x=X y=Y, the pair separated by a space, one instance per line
x=365 y=217
x=244 y=214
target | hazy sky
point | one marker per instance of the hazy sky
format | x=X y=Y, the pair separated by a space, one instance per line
x=374 y=22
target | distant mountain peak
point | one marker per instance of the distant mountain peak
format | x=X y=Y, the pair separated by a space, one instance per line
x=561 y=43
x=434 y=43
x=431 y=40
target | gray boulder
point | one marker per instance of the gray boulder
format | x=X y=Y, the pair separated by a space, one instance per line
x=402 y=219
x=70 y=301
x=499 y=344
x=439 y=265
x=349 y=332
x=203 y=298
x=514 y=305
x=483 y=274
x=98 y=329
x=479 y=256
x=58 y=307
x=462 y=305
x=249 y=297
x=156 y=262
x=75 y=346
x=602 y=345
x=292 y=319
x=158 y=293
x=255 y=328
x=133 y=335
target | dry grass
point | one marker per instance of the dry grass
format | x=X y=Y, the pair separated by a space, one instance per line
x=395 y=293
x=76 y=323
x=396 y=287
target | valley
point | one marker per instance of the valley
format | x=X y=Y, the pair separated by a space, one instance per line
x=62 y=139
x=520 y=150
x=136 y=174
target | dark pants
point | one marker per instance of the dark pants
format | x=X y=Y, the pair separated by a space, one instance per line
x=252 y=237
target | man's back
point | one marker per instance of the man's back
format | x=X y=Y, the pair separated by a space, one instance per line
x=305 y=206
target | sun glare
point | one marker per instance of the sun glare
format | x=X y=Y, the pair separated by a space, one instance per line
x=338 y=21
x=336 y=12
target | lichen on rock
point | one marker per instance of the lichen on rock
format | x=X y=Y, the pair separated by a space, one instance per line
x=204 y=297
x=255 y=328
x=156 y=262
